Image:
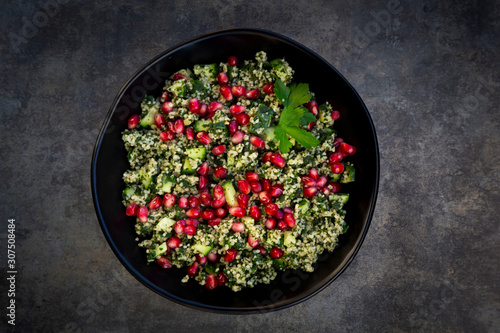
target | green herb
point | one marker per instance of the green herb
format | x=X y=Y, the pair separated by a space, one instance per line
x=293 y=115
x=262 y=119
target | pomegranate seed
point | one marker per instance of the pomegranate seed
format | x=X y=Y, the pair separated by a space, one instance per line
x=219 y=150
x=255 y=213
x=335 y=115
x=257 y=142
x=238 y=227
x=242 y=199
x=264 y=197
x=238 y=91
x=194 y=105
x=268 y=89
x=271 y=208
x=253 y=94
x=334 y=187
x=194 y=202
x=232 y=61
x=208 y=214
x=179 y=76
x=290 y=220
x=232 y=127
x=203 y=137
x=308 y=181
x=174 y=242
x=132 y=209
x=183 y=202
x=337 y=168
x=156 y=202
x=221 y=212
x=276 y=190
x=311 y=125
x=325 y=190
x=266 y=184
x=282 y=225
x=203 y=169
x=313 y=173
x=190 y=133
x=347 y=149
x=203 y=110
x=167 y=136
x=238 y=137
x=236 y=109
x=219 y=202
x=167 y=107
x=221 y=279
x=201 y=259
x=190 y=230
x=252 y=176
x=270 y=223
x=165 y=96
x=193 y=269
x=203 y=182
x=213 y=257
x=242 y=118
x=222 y=78
x=142 y=214
x=163 y=262
x=244 y=186
x=218 y=191
x=230 y=255
x=193 y=212
x=179 y=126
x=220 y=172
x=214 y=222
x=256 y=187
x=313 y=107
x=133 y=121
x=192 y=221
x=276 y=253
x=279 y=214
x=159 y=120
x=214 y=106
x=262 y=250
x=179 y=226
x=267 y=157
x=252 y=242
x=335 y=157
x=225 y=91
x=206 y=199
x=210 y=282
x=321 y=181
x=237 y=211
x=337 y=142
x=278 y=160
x=169 y=200
x=309 y=191
x=287 y=210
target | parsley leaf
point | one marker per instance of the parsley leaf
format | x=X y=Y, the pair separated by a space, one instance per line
x=293 y=115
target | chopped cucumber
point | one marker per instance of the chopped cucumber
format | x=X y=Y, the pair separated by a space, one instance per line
x=207 y=71
x=262 y=119
x=165 y=224
x=161 y=249
x=335 y=176
x=268 y=134
x=303 y=206
x=178 y=88
x=341 y=198
x=348 y=175
x=166 y=184
x=197 y=153
x=203 y=249
x=230 y=193
x=189 y=166
x=289 y=238
x=128 y=192
x=202 y=125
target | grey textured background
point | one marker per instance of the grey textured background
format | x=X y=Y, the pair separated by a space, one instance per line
x=430 y=76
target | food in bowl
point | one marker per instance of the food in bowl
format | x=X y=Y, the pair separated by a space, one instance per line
x=235 y=173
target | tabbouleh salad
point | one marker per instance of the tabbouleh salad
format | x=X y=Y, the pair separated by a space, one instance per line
x=235 y=173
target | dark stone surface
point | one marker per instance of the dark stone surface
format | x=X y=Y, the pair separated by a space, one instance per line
x=429 y=73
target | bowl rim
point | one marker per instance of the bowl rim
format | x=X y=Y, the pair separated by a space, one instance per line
x=224 y=309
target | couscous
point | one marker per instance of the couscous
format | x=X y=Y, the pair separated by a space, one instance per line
x=235 y=173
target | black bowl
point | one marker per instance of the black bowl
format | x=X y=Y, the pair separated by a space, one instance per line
x=355 y=126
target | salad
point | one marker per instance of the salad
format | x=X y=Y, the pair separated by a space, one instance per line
x=236 y=173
